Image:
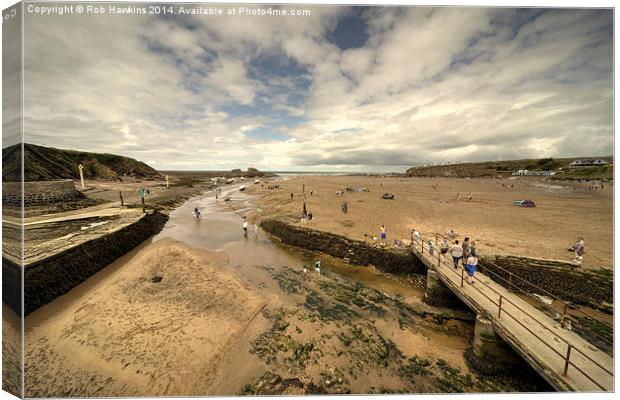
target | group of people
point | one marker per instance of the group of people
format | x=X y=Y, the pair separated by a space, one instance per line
x=466 y=254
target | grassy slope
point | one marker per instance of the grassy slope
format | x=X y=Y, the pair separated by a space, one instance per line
x=505 y=168
x=43 y=163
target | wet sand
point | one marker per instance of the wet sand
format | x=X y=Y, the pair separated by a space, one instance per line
x=11 y=351
x=563 y=212
x=234 y=314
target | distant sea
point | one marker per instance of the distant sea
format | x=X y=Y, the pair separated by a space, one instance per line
x=320 y=173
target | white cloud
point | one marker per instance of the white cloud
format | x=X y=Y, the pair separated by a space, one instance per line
x=429 y=84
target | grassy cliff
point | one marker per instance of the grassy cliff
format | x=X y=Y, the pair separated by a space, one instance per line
x=506 y=168
x=44 y=163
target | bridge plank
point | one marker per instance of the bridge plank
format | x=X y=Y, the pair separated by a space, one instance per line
x=537 y=337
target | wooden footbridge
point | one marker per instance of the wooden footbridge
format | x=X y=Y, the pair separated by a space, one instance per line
x=565 y=359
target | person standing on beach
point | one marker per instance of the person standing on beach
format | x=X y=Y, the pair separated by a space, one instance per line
x=245 y=227
x=457 y=253
x=383 y=234
x=470 y=267
x=579 y=251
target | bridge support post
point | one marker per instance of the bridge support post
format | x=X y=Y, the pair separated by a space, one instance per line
x=437 y=294
x=490 y=354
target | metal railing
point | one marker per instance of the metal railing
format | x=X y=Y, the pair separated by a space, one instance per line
x=502 y=310
x=565 y=306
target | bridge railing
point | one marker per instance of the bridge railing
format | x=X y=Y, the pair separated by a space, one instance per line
x=501 y=302
x=565 y=305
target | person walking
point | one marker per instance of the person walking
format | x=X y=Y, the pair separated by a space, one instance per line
x=579 y=251
x=245 y=227
x=443 y=247
x=317 y=267
x=470 y=267
x=465 y=246
x=457 y=253
x=472 y=249
x=431 y=249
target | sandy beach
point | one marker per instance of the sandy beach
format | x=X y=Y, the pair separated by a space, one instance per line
x=229 y=315
x=563 y=212
x=161 y=326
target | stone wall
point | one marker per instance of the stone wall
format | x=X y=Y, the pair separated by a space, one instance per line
x=39 y=192
x=56 y=275
x=565 y=280
x=353 y=251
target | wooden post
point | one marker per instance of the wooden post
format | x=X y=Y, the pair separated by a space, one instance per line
x=462 y=276
x=167 y=182
x=142 y=192
x=499 y=313
x=81 y=168
x=566 y=360
x=120 y=193
x=565 y=309
x=303 y=192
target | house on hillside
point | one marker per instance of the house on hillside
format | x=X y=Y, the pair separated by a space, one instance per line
x=543 y=173
x=522 y=172
x=588 y=163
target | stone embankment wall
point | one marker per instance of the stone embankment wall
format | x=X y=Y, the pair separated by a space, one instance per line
x=562 y=279
x=57 y=275
x=39 y=192
x=354 y=251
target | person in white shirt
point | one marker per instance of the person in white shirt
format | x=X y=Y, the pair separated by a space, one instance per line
x=245 y=228
x=457 y=253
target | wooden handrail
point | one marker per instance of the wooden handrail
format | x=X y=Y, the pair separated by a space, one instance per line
x=503 y=300
x=566 y=305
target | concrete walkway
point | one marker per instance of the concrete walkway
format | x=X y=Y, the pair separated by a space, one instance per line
x=538 y=338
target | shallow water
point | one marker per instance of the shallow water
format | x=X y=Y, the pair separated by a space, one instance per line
x=220 y=228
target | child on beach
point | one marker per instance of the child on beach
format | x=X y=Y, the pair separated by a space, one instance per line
x=383 y=234
x=317 y=267
x=431 y=249
x=197 y=213
x=579 y=251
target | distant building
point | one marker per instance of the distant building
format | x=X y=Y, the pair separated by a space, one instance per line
x=522 y=172
x=543 y=173
x=588 y=163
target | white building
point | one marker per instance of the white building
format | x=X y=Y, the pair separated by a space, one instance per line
x=588 y=163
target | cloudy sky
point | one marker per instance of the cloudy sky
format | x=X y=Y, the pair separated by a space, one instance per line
x=346 y=88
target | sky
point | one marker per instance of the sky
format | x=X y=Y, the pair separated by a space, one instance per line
x=343 y=89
